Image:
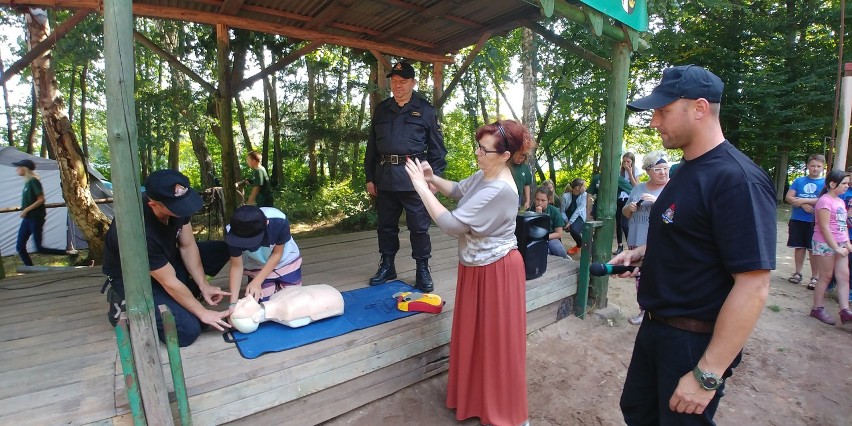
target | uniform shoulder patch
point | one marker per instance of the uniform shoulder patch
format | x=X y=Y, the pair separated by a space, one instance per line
x=416 y=114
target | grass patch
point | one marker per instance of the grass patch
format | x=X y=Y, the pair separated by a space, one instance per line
x=774 y=308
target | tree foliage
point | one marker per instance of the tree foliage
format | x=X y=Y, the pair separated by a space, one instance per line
x=310 y=119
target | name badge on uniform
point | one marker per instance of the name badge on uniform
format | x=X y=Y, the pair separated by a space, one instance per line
x=415 y=113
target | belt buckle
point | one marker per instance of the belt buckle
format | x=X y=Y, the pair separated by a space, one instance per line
x=394 y=159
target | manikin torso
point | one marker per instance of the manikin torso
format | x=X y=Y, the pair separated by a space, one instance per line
x=292 y=306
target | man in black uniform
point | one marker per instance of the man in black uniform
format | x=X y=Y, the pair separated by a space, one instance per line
x=707 y=262
x=404 y=125
x=179 y=266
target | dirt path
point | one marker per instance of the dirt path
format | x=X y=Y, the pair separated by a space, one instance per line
x=795 y=370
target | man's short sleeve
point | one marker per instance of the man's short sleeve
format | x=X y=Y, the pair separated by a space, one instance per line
x=744 y=224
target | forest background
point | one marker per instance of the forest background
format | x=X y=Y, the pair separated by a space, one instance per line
x=779 y=61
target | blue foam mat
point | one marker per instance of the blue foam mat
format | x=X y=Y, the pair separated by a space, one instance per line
x=362 y=308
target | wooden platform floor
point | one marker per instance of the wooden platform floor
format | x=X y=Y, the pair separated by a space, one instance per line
x=59 y=365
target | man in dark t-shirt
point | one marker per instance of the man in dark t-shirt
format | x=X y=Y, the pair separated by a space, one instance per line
x=706 y=265
x=179 y=266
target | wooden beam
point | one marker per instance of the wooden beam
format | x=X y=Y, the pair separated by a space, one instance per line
x=124 y=158
x=367 y=31
x=449 y=91
x=381 y=58
x=415 y=8
x=272 y=28
x=231 y=7
x=277 y=66
x=61 y=31
x=495 y=28
x=438 y=10
x=171 y=59
x=251 y=24
x=568 y=45
x=329 y=13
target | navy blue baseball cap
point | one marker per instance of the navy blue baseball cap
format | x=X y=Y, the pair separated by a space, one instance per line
x=248 y=225
x=171 y=188
x=25 y=163
x=402 y=69
x=683 y=82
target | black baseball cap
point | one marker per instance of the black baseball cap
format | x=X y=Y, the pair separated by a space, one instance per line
x=683 y=82
x=171 y=188
x=25 y=163
x=402 y=69
x=248 y=225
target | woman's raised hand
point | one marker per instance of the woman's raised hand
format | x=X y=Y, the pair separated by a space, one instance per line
x=416 y=172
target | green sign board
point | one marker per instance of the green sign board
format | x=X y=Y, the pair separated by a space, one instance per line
x=633 y=13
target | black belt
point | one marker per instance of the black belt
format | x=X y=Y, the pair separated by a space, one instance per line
x=397 y=159
x=684 y=323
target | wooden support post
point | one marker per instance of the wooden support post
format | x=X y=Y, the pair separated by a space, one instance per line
x=610 y=164
x=582 y=298
x=175 y=62
x=382 y=87
x=43 y=46
x=437 y=83
x=131 y=379
x=230 y=165
x=124 y=156
x=175 y=364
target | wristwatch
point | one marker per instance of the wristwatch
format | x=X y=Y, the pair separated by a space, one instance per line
x=706 y=379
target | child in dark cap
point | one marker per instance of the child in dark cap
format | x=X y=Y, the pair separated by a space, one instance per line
x=261 y=248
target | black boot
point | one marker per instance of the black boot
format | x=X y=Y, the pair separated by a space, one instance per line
x=423 y=277
x=387 y=270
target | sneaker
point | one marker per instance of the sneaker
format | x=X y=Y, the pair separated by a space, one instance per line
x=117 y=305
x=845 y=316
x=573 y=250
x=637 y=319
x=819 y=313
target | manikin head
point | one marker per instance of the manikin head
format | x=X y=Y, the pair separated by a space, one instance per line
x=247 y=315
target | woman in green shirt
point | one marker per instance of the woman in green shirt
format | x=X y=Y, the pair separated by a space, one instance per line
x=33 y=212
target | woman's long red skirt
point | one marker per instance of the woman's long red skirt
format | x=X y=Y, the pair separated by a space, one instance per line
x=488 y=376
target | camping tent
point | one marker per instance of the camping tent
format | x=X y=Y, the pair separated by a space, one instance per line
x=59 y=230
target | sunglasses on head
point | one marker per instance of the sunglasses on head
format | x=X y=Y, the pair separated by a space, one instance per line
x=503 y=134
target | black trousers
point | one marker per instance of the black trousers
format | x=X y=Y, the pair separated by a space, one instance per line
x=622 y=224
x=389 y=205
x=214 y=256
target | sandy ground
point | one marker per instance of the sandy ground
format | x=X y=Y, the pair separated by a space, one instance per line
x=795 y=370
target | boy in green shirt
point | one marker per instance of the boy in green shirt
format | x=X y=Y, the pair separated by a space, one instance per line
x=554 y=238
x=261 y=191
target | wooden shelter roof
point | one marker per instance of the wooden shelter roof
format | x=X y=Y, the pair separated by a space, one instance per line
x=426 y=30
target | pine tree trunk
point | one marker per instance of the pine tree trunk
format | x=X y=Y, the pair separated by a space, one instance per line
x=528 y=71
x=84 y=140
x=313 y=178
x=205 y=161
x=277 y=178
x=241 y=117
x=71 y=93
x=31 y=134
x=72 y=167
x=9 y=135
